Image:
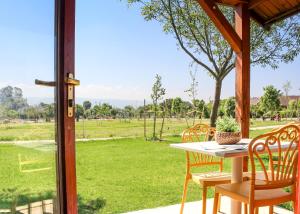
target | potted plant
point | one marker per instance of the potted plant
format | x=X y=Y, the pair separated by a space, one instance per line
x=228 y=131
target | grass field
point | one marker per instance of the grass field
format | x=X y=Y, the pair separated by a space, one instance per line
x=114 y=176
x=101 y=128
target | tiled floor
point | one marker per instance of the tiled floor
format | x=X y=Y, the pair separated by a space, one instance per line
x=195 y=208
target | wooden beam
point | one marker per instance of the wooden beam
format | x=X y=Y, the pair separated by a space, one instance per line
x=222 y=24
x=242 y=25
x=259 y=20
x=65 y=126
x=255 y=3
x=284 y=15
x=231 y=3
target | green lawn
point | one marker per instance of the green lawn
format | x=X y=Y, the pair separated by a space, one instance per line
x=114 y=176
x=101 y=128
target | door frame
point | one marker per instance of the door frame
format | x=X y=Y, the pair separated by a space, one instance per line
x=65 y=125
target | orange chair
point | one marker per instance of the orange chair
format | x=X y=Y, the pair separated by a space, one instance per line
x=202 y=132
x=279 y=169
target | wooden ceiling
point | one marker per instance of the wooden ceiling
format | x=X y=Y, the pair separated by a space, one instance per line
x=266 y=12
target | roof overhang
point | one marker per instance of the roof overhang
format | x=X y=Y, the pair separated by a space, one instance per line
x=267 y=12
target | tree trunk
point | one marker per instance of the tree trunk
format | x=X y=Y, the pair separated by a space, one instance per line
x=162 y=126
x=215 y=108
x=144 y=115
x=154 y=125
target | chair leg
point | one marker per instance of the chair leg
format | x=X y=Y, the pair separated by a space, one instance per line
x=245 y=209
x=256 y=210
x=219 y=204
x=204 y=195
x=184 y=194
x=216 y=202
x=271 y=210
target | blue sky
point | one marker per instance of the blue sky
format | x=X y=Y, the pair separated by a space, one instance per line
x=117 y=53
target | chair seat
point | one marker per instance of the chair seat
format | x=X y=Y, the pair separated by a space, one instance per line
x=215 y=178
x=240 y=192
x=211 y=178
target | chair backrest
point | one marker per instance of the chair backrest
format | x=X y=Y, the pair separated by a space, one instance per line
x=279 y=165
x=200 y=133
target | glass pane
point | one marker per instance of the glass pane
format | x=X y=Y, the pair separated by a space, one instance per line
x=27 y=130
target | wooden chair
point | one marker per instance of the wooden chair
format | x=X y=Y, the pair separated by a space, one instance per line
x=202 y=132
x=281 y=174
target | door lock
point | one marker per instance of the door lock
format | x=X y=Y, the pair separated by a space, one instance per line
x=71 y=83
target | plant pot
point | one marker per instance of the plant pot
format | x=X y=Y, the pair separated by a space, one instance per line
x=228 y=138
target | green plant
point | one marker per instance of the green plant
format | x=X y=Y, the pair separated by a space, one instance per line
x=227 y=124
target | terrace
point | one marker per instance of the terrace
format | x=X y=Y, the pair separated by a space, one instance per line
x=68 y=178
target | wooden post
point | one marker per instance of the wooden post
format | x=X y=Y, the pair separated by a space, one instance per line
x=65 y=125
x=242 y=26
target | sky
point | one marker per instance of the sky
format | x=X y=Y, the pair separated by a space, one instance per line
x=118 y=54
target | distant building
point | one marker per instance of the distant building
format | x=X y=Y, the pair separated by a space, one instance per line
x=254 y=100
x=284 y=101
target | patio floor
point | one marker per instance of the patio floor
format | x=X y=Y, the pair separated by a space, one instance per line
x=195 y=208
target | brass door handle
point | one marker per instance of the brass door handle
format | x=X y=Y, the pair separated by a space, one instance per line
x=45 y=83
x=71 y=83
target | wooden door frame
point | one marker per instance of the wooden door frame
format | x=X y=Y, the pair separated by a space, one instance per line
x=65 y=126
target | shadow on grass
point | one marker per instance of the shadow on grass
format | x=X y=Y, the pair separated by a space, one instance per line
x=11 y=198
x=90 y=206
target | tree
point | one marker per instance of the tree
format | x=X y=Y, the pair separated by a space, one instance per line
x=87 y=105
x=105 y=110
x=47 y=111
x=198 y=37
x=229 y=107
x=176 y=106
x=270 y=101
x=157 y=94
x=129 y=110
x=12 y=98
x=79 y=111
x=202 y=108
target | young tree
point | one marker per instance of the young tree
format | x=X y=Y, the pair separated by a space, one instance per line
x=270 y=101
x=157 y=94
x=198 y=37
x=192 y=93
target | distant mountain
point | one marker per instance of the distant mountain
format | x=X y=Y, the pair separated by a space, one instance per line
x=114 y=102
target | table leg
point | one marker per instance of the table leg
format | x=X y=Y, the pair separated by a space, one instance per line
x=237 y=177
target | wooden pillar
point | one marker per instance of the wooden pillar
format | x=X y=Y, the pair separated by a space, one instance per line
x=242 y=27
x=65 y=125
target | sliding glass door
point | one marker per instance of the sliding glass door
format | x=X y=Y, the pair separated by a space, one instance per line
x=37 y=150
x=28 y=149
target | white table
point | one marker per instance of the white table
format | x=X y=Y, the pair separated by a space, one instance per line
x=235 y=152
